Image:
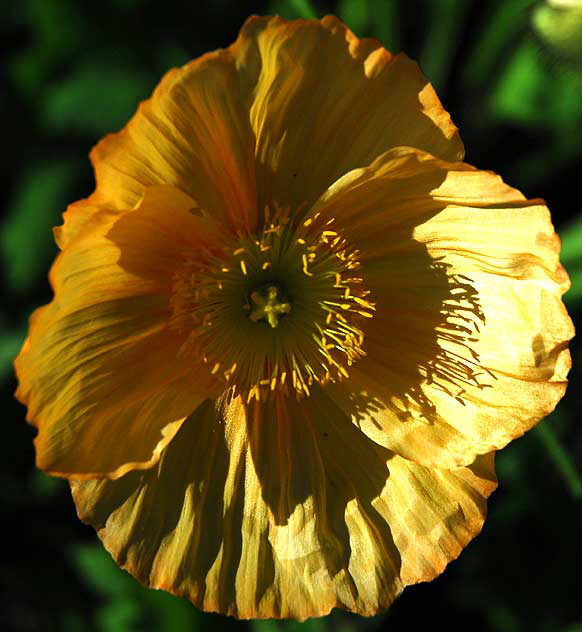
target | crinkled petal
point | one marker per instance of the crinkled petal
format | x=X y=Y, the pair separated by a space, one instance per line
x=323 y=102
x=193 y=134
x=102 y=372
x=468 y=345
x=285 y=510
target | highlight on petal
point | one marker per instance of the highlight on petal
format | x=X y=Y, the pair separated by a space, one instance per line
x=468 y=345
x=314 y=84
x=102 y=372
x=284 y=509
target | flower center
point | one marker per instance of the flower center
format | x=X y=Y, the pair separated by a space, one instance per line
x=267 y=305
x=279 y=310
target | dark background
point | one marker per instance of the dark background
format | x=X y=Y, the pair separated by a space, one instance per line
x=73 y=71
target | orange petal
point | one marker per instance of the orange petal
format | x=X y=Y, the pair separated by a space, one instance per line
x=323 y=102
x=193 y=134
x=467 y=348
x=285 y=510
x=102 y=372
x=75 y=219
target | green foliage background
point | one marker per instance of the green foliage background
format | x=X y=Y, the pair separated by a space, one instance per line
x=73 y=71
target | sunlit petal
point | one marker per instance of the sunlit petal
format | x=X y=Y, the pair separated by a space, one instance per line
x=285 y=510
x=193 y=134
x=102 y=372
x=315 y=85
x=468 y=345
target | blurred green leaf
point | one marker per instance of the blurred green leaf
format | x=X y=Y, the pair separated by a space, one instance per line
x=10 y=343
x=384 y=22
x=506 y=21
x=121 y=611
x=571 y=258
x=54 y=22
x=172 y=613
x=572 y=241
x=72 y=621
x=268 y=625
x=292 y=9
x=26 y=241
x=56 y=28
x=170 y=55
x=120 y=615
x=45 y=487
x=355 y=14
x=502 y=618
x=519 y=95
x=94 y=100
x=512 y=472
x=304 y=8
x=509 y=464
x=531 y=94
x=100 y=572
x=310 y=625
x=445 y=25
x=560 y=457
x=127 y=603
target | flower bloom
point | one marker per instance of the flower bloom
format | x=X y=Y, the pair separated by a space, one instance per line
x=290 y=329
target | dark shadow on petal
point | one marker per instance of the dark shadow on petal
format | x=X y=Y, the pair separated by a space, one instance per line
x=437 y=322
x=185 y=492
x=310 y=450
x=428 y=315
x=322 y=115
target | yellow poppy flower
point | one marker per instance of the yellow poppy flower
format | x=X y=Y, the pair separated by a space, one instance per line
x=290 y=328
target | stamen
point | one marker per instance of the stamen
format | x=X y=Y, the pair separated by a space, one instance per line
x=293 y=272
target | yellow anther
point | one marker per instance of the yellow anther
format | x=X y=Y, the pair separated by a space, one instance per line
x=305 y=264
x=362 y=302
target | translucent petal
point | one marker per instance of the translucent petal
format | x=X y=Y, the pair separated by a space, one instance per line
x=468 y=345
x=102 y=372
x=192 y=134
x=285 y=510
x=323 y=102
